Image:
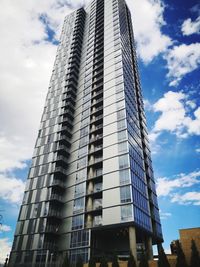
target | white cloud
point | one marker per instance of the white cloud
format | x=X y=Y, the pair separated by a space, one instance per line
x=147 y=105
x=197 y=150
x=190 y=27
x=11 y=189
x=148 y=21
x=189 y=198
x=175 y=118
x=165 y=186
x=13 y=152
x=165 y=215
x=181 y=60
x=5 y=228
x=5 y=246
x=191 y=104
x=25 y=69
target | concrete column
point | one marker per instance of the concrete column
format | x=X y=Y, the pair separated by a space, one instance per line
x=132 y=241
x=149 y=248
x=89 y=204
x=89 y=221
x=159 y=247
x=90 y=187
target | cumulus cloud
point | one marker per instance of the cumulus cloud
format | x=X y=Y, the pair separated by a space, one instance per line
x=197 y=150
x=189 y=198
x=175 y=118
x=190 y=27
x=165 y=215
x=11 y=189
x=181 y=60
x=5 y=228
x=27 y=57
x=147 y=105
x=5 y=246
x=165 y=185
x=148 y=21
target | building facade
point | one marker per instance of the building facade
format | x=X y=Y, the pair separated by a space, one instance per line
x=186 y=237
x=90 y=189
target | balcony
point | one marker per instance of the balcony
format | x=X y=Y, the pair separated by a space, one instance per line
x=95 y=102
x=67 y=111
x=94 y=110
x=97 y=221
x=96 y=149
x=66 y=122
x=60 y=170
x=56 y=197
x=66 y=130
x=98 y=127
x=57 y=183
x=65 y=138
x=98 y=92
x=97 y=190
x=54 y=213
x=96 y=118
x=52 y=229
x=96 y=138
x=95 y=161
x=50 y=246
x=64 y=148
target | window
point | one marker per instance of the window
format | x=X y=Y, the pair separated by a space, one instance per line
x=84 y=131
x=77 y=222
x=79 y=238
x=125 y=194
x=84 y=141
x=82 y=151
x=122 y=135
x=97 y=203
x=80 y=190
x=35 y=209
x=81 y=175
x=82 y=162
x=85 y=121
x=121 y=124
x=97 y=220
x=46 y=208
x=120 y=95
x=120 y=114
x=85 y=113
x=124 y=177
x=122 y=147
x=123 y=161
x=126 y=212
x=41 y=240
x=120 y=104
x=78 y=205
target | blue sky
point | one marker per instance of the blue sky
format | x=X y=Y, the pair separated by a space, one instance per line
x=168 y=46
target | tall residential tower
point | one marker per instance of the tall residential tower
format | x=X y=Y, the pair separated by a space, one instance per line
x=90 y=189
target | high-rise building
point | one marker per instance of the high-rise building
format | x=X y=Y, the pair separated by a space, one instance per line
x=90 y=189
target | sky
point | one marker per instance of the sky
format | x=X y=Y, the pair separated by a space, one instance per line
x=167 y=35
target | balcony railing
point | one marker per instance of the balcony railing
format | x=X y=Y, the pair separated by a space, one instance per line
x=97 y=137
x=56 y=197
x=93 y=129
x=58 y=183
x=60 y=170
x=95 y=149
x=54 y=213
x=96 y=118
